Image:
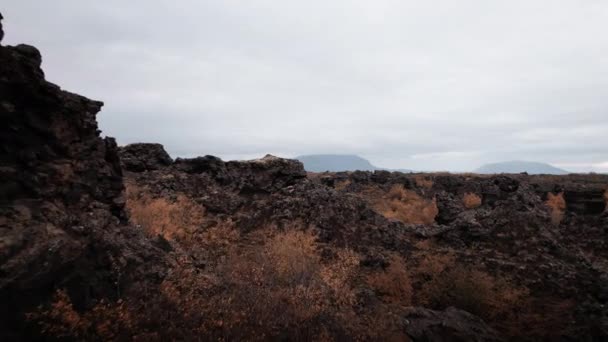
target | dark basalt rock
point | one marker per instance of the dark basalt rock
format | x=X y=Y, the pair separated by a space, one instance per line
x=61 y=196
x=143 y=157
x=585 y=201
x=1 y=30
x=211 y=164
x=450 y=325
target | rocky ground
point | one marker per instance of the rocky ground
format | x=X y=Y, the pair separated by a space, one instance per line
x=99 y=242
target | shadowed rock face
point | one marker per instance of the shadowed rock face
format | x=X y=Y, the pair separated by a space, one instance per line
x=61 y=203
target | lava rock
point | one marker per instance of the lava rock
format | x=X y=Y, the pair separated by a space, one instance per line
x=141 y=157
x=449 y=325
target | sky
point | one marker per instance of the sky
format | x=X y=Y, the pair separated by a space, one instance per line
x=425 y=85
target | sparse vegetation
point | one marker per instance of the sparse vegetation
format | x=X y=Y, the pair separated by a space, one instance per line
x=557 y=205
x=402 y=204
x=248 y=279
x=177 y=219
x=393 y=284
x=471 y=200
x=423 y=181
x=341 y=185
x=105 y=321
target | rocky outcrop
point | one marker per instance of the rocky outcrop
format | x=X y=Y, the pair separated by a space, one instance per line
x=270 y=191
x=144 y=157
x=450 y=325
x=61 y=197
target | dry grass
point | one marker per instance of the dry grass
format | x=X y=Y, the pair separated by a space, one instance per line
x=393 y=284
x=284 y=275
x=422 y=181
x=271 y=284
x=177 y=219
x=280 y=287
x=471 y=200
x=441 y=281
x=473 y=291
x=402 y=204
x=105 y=321
x=557 y=204
x=606 y=199
x=342 y=185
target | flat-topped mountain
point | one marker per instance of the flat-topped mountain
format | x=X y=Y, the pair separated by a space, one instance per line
x=338 y=162
x=518 y=166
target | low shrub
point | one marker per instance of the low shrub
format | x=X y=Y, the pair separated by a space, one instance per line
x=177 y=219
x=393 y=284
x=471 y=200
x=402 y=204
x=557 y=205
x=423 y=181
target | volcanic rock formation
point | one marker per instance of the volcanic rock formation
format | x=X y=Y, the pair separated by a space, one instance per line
x=61 y=204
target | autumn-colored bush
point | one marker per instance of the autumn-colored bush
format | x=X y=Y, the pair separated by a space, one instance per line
x=441 y=281
x=473 y=291
x=423 y=181
x=606 y=199
x=557 y=205
x=341 y=185
x=174 y=219
x=105 y=321
x=285 y=275
x=393 y=284
x=402 y=204
x=471 y=200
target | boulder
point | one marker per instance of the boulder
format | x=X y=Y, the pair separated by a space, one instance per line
x=141 y=157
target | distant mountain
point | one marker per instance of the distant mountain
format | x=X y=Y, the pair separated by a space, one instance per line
x=532 y=168
x=338 y=162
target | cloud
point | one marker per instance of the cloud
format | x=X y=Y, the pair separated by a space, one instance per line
x=433 y=85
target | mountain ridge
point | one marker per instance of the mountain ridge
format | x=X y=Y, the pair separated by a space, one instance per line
x=519 y=166
x=339 y=162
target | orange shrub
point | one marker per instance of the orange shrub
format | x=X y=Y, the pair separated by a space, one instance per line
x=423 y=181
x=177 y=219
x=282 y=286
x=557 y=204
x=442 y=282
x=341 y=185
x=473 y=291
x=402 y=204
x=105 y=321
x=393 y=283
x=471 y=200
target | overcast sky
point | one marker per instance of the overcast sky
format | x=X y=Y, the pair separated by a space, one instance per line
x=425 y=85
